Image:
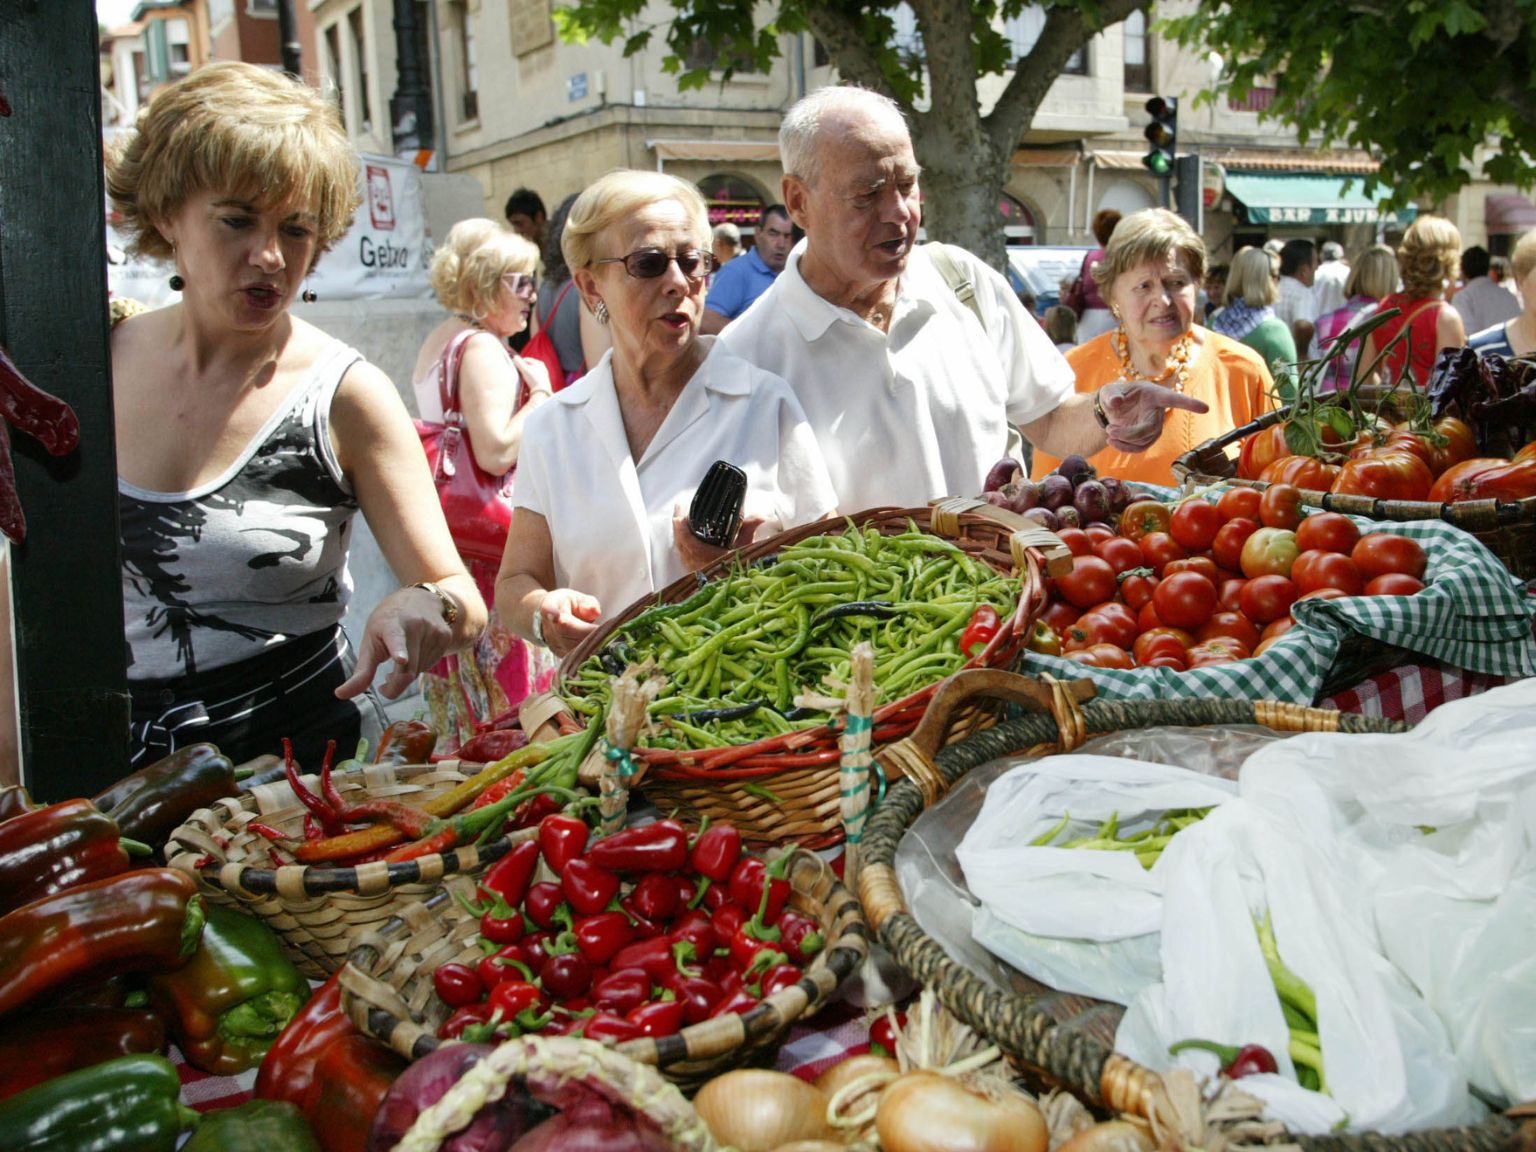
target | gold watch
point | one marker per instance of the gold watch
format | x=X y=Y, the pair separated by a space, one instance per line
x=449 y=605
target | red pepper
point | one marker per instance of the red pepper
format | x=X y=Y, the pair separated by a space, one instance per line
x=588 y=887
x=54 y=848
x=740 y=1002
x=800 y=936
x=644 y=929
x=622 y=990
x=500 y=791
x=694 y=926
x=661 y=846
x=697 y=995
x=660 y=1018
x=883 y=1032
x=727 y=920
x=488 y=747
x=326 y=819
x=780 y=976
x=561 y=839
x=288 y=1069
x=41 y=1045
x=715 y=852
x=457 y=984
x=655 y=896
x=468 y=1016
x=658 y=958
x=501 y=925
x=601 y=935
x=408 y=742
x=509 y=962
x=983 y=625
x=606 y=1028
x=15 y=801
x=533 y=811
x=510 y=876
x=1237 y=1062
x=352 y=1077
x=535 y=948
x=752 y=876
x=687 y=890
x=510 y=997
x=716 y=895
x=751 y=955
x=566 y=977
x=543 y=903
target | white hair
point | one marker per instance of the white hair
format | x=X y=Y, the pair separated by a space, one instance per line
x=1332 y=250
x=798 y=133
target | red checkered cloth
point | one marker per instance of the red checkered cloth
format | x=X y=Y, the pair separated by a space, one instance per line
x=1410 y=692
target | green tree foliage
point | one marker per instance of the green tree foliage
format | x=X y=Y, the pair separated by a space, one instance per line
x=1422 y=84
x=964 y=154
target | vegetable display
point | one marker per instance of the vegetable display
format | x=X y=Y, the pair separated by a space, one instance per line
x=131 y=1104
x=741 y=651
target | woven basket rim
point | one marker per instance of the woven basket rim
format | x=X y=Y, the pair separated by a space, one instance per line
x=771 y=1018
x=981 y=1004
x=763 y=757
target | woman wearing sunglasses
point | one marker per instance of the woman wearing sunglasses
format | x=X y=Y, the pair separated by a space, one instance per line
x=484 y=275
x=612 y=463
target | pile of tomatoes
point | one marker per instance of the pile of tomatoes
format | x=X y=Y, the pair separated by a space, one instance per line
x=1201 y=583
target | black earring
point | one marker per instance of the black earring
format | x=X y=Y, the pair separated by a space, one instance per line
x=308 y=295
x=177 y=283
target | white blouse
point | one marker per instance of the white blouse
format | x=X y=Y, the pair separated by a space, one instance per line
x=610 y=515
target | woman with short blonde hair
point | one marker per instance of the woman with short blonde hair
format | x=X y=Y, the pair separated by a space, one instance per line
x=1253 y=286
x=1515 y=337
x=1373 y=277
x=1427 y=261
x=247 y=440
x=468 y=267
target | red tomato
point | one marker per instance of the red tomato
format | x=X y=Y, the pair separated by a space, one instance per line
x=1146 y=616
x=1239 y=504
x=1319 y=594
x=1217 y=651
x=1327 y=532
x=1142 y=517
x=1280 y=506
x=1136 y=589
x=1452 y=443
x=1091 y=581
x=1121 y=621
x=1394 y=584
x=1233 y=625
x=1059 y=615
x=1102 y=656
x=1194 y=523
x=1314 y=570
x=1265 y=645
x=1260 y=450
x=1088 y=631
x=1158 y=548
x=1269 y=551
x=1185 y=599
x=1386 y=475
x=1378 y=553
x=1122 y=554
x=1303 y=471
x=1277 y=628
x=1229 y=594
x=1099 y=533
x=1485 y=478
x=1077 y=541
x=1268 y=598
x=1161 y=642
x=1227 y=548
x=1201 y=564
x=1369 y=443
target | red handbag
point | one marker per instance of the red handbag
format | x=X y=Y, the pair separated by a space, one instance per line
x=542 y=347
x=477 y=505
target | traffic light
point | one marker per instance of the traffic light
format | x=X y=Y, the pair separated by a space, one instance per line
x=1162 y=134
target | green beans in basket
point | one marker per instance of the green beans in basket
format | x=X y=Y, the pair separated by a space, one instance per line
x=740 y=651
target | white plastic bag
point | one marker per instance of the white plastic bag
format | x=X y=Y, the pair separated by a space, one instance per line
x=1388 y=1061
x=1079 y=920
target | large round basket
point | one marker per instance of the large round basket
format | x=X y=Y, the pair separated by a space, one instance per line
x=1506 y=527
x=1065 y=1040
x=387 y=984
x=319 y=911
x=786 y=787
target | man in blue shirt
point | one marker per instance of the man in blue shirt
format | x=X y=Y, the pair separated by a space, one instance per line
x=747 y=277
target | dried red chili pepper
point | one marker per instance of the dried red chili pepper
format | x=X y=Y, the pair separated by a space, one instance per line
x=41 y=415
x=329 y=823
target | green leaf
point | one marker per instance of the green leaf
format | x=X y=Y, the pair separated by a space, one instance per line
x=1342 y=425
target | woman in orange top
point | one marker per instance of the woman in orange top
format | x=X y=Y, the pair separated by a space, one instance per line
x=1150 y=275
x=1427 y=262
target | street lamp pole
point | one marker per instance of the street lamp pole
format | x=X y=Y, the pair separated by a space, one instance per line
x=410 y=109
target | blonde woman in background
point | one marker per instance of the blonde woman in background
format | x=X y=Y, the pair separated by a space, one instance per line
x=1253 y=286
x=484 y=274
x=1373 y=277
x=1427 y=261
x=1515 y=337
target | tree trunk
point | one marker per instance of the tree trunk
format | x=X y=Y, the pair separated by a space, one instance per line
x=961 y=191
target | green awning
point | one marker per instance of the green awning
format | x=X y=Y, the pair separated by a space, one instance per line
x=1293 y=198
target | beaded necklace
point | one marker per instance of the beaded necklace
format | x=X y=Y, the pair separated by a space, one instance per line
x=1178 y=361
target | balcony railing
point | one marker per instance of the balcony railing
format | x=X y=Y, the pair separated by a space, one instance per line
x=1257 y=100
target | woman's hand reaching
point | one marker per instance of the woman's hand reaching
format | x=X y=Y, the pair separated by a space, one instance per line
x=406 y=628
x=568 y=616
x=1136 y=408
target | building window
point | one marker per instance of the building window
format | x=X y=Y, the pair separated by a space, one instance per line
x=1257 y=100
x=1023 y=31
x=263 y=9
x=469 y=93
x=1018 y=221
x=731 y=200
x=1138 y=69
x=332 y=37
x=360 y=70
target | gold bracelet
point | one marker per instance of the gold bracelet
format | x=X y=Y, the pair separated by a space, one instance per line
x=1099 y=413
x=449 y=605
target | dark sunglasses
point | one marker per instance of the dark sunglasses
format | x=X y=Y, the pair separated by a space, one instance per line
x=649 y=263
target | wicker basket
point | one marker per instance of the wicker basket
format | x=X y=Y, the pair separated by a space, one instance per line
x=1059 y=1039
x=320 y=911
x=1506 y=528
x=387 y=984
x=786 y=787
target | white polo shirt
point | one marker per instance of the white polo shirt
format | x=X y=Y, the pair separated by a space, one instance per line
x=610 y=515
x=920 y=412
x=1295 y=302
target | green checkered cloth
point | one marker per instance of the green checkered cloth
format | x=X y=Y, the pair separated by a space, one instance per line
x=1473 y=613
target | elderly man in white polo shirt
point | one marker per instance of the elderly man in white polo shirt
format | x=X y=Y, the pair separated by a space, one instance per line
x=910 y=394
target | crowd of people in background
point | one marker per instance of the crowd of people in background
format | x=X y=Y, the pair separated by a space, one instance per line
x=854 y=368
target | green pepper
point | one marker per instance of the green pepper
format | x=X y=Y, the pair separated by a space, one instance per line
x=153 y=802
x=255 y=1126
x=131 y=1104
x=228 y=1003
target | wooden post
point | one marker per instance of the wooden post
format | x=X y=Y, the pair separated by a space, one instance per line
x=66 y=586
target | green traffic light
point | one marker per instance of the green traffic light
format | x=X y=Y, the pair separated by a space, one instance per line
x=1159 y=162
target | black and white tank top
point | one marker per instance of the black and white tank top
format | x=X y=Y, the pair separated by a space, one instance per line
x=251 y=560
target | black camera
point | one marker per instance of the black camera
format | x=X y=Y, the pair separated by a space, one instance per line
x=715 y=514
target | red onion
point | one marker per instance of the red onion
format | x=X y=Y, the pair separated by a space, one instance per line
x=590 y=1123
x=426 y=1081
